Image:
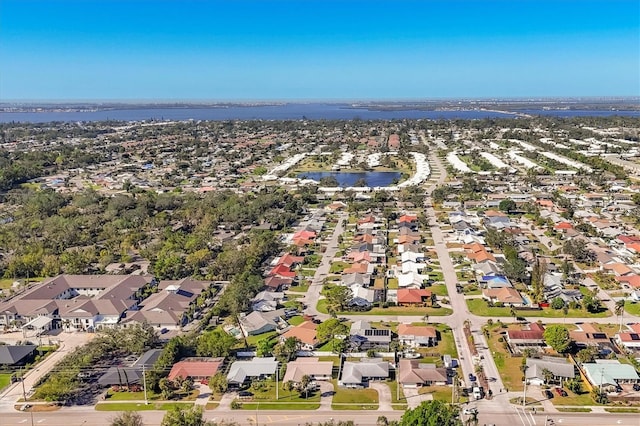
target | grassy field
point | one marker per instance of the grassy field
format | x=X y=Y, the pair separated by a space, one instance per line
x=131 y=396
x=573 y=409
x=354 y=399
x=133 y=406
x=480 y=307
x=509 y=367
x=253 y=406
x=397 y=403
x=5 y=378
x=632 y=307
x=439 y=289
x=395 y=310
x=299 y=288
x=573 y=398
x=268 y=394
x=441 y=393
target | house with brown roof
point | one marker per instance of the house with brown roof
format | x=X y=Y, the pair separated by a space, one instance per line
x=509 y=296
x=588 y=335
x=414 y=297
x=618 y=269
x=417 y=335
x=308 y=366
x=305 y=333
x=197 y=368
x=412 y=374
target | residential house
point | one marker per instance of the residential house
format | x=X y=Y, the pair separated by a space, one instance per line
x=508 y=296
x=262 y=322
x=167 y=308
x=363 y=337
x=305 y=333
x=120 y=376
x=414 y=297
x=412 y=373
x=308 y=366
x=531 y=336
x=267 y=301
x=257 y=368
x=197 y=368
x=358 y=374
x=630 y=338
x=609 y=373
x=589 y=335
x=15 y=355
x=561 y=369
x=417 y=336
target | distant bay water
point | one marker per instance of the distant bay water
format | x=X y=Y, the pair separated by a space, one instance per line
x=311 y=111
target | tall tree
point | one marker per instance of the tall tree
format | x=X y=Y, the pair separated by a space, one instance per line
x=431 y=413
x=620 y=311
x=557 y=336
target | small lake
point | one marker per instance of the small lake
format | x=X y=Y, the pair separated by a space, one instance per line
x=349 y=178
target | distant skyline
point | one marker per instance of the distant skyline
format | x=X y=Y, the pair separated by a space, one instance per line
x=317 y=50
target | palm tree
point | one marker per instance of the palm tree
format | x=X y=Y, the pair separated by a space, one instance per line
x=619 y=309
x=547 y=375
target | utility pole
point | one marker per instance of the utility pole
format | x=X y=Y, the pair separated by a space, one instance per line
x=24 y=396
x=144 y=384
x=277 y=365
x=524 y=396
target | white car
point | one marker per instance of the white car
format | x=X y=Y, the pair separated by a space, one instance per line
x=471 y=410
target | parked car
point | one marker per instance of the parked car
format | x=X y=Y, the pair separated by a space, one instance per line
x=548 y=394
x=561 y=392
x=470 y=410
x=636 y=387
x=472 y=377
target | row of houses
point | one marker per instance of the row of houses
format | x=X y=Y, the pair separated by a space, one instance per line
x=93 y=302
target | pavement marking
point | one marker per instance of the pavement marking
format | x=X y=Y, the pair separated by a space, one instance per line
x=41 y=420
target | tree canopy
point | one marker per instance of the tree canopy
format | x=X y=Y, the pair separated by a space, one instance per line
x=557 y=336
x=431 y=413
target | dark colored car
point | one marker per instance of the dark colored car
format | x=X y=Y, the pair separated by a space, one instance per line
x=548 y=394
x=472 y=377
x=245 y=394
x=636 y=387
x=561 y=392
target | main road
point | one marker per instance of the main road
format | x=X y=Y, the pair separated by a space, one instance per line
x=78 y=417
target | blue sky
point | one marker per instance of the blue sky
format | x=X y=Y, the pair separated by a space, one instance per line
x=311 y=50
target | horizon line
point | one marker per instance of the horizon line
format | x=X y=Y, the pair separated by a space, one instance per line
x=316 y=100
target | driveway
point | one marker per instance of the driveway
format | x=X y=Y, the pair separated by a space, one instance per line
x=414 y=398
x=384 y=395
x=326 y=395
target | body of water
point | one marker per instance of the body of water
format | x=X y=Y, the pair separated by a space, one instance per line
x=311 y=111
x=346 y=179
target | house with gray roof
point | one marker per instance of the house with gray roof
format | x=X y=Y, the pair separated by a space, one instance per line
x=257 y=368
x=358 y=374
x=130 y=375
x=560 y=368
x=15 y=354
x=262 y=322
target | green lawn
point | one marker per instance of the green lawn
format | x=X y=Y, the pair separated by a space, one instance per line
x=573 y=398
x=337 y=267
x=253 y=406
x=508 y=366
x=268 y=394
x=392 y=283
x=5 y=379
x=394 y=310
x=397 y=403
x=252 y=340
x=439 y=289
x=299 y=288
x=632 y=307
x=354 y=399
x=480 y=307
x=440 y=393
x=133 y=406
x=131 y=396
x=297 y=320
